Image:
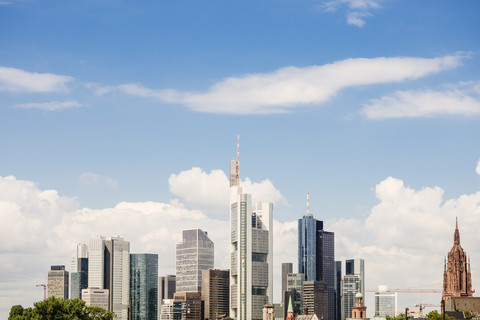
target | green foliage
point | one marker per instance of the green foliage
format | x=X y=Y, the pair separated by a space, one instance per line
x=59 y=309
x=435 y=315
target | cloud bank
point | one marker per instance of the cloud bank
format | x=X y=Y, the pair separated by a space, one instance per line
x=286 y=88
x=17 y=80
x=210 y=192
x=459 y=101
x=403 y=239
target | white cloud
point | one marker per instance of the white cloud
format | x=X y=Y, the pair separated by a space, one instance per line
x=289 y=87
x=403 y=240
x=210 y=192
x=50 y=106
x=357 y=10
x=427 y=103
x=90 y=178
x=16 y=80
x=478 y=167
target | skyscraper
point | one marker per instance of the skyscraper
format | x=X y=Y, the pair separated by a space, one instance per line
x=109 y=268
x=144 y=286
x=166 y=289
x=79 y=271
x=316 y=256
x=338 y=290
x=215 y=293
x=356 y=267
x=457 y=277
x=286 y=269
x=194 y=253
x=350 y=287
x=315 y=298
x=57 y=282
x=385 y=302
x=251 y=252
x=295 y=297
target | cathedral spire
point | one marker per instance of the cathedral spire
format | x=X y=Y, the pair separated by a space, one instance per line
x=456 y=236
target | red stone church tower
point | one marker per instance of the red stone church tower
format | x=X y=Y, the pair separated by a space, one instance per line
x=457 y=279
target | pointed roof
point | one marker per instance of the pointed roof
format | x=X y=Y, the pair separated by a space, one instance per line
x=290 y=307
x=456 y=236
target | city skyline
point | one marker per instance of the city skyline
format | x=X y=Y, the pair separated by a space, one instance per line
x=120 y=118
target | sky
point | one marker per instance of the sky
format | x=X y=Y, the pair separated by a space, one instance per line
x=120 y=118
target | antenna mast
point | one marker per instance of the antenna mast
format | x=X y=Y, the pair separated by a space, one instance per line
x=308 y=202
x=238 y=155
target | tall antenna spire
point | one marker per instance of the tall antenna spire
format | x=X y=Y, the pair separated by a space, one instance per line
x=308 y=202
x=238 y=155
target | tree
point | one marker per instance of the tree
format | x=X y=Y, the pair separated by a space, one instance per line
x=434 y=315
x=59 y=309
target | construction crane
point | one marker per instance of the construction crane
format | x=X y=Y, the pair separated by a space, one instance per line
x=407 y=290
x=421 y=307
x=49 y=285
x=44 y=290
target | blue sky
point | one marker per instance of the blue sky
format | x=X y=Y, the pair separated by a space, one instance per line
x=109 y=101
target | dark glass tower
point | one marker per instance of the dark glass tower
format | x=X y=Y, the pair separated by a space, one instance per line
x=79 y=279
x=144 y=286
x=308 y=228
x=316 y=257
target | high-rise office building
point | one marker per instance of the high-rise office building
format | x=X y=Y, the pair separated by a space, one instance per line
x=216 y=293
x=79 y=271
x=315 y=296
x=338 y=290
x=356 y=267
x=166 y=289
x=144 y=286
x=251 y=252
x=57 y=285
x=316 y=257
x=95 y=297
x=170 y=310
x=194 y=253
x=350 y=287
x=286 y=269
x=109 y=268
x=190 y=305
x=385 y=302
x=295 y=293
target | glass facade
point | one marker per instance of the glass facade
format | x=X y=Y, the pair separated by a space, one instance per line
x=79 y=279
x=194 y=254
x=386 y=304
x=316 y=257
x=308 y=227
x=338 y=290
x=295 y=286
x=350 y=287
x=144 y=286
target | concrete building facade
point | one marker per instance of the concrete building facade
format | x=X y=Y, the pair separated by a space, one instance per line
x=193 y=254
x=109 y=268
x=58 y=282
x=251 y=269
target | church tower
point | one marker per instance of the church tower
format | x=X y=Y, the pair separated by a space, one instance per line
x=457 y=279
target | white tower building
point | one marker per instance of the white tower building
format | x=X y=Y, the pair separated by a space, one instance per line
x=251 y=252
x=109 y=268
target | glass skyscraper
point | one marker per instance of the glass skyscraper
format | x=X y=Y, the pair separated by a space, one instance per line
x=350 y=287
x=316 y=257
x=79 y=272
x=144 y=286
x=194 y=253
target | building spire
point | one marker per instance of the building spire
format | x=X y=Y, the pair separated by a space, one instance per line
x=456 y=236
x=308 y=202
